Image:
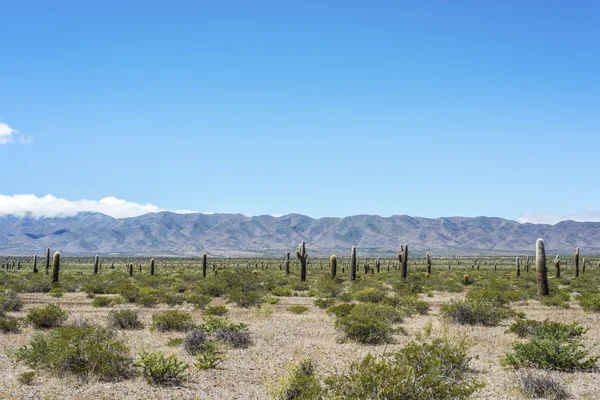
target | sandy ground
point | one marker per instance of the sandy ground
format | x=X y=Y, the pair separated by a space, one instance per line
x=279 y=339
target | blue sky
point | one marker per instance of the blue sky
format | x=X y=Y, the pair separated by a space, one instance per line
x=426 y=108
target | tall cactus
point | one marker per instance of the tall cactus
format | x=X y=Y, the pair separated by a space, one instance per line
x=378 y=264
x=302 y=256
x=428 y=261
x=583 y=266
x=55 y=267
x=287 y=263
x=518 y=261
x=540 y=268
x=557 y=267
x=35 y=269
x=96 y=262
x=332 y=266
x=131 y=270
x=204 y=265
x=576 y=262
x=403 y=258
x=152 y=266
x=353 y=264
x=47 y=260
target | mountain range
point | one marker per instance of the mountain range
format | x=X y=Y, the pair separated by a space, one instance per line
x=171 y=234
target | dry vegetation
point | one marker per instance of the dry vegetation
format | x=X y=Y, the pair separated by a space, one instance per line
x=282 y=332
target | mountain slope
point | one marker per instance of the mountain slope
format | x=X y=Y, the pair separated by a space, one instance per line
x=237 y=235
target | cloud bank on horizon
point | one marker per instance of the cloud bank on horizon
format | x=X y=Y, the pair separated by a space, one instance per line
x=551 y=219
x=49 y=206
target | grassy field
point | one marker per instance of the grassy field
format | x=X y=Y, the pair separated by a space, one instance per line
x=464 y=305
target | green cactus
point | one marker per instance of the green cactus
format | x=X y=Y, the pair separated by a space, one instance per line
x=35 y=269
x=428 y=261
x=540 y=268
x=55 y=267
x=96 y=261
x=47 y=260
x=518 y=267
x=204 y=264
x=377 y=264
x=302 y=256
x=152 y=263
x=557 y=267
x=576 y=262
x=332 y=266
x=353 y=264
x=403 y=258
x=287 y=263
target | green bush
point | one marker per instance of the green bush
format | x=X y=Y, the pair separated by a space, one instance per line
x=557 y=299
x=282 y=291
x=272 y=300
x=102 y=301
x=172 y=320
x=341 y=310
x=47 y=317
x=209 y=355
x=369 y=323
x=551 y=345
x=590 y=302
x=216 y=310
x=536 y=386
x=84 y=350
x=10 y=325
x=199 y=301
x=370 y=295
x=297 y=309
x=299 y=383
x=175 y=342
x=124 y=319
x=251 y=298
x=56 y=291
x=427 y=369
x=26 y=378
x=324 y=303
x=225 y=331
x=10 y=302
x=470 y=312
x=158 y=369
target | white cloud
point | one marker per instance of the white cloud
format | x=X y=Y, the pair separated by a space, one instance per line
x=7 y=135
x=581 y=216
x=50 y=206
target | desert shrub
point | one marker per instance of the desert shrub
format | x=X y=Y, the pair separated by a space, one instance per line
x=47 y=317
x=175 y=342
x=172 y=320
x=549 y=329
x=551 y=345
x=411 y=305
x=129 y=291
x=590 y=302
x=216 y=310
x=56 y=291
x=124 y=319
x=272 y=300
x=341 y=310
x=26 y=378
x=102 y=301
x=10 y=324
x=193 y=341
x=172 y=299
x=329 y=287
x=544 y=386
x=299 y=383
x=84 y=350
x=264 y=311
x=370 y=295
x=282 y=291
x=158 y=369
x=227 y=332
x=469 y=312
x=10 y=302
x=558 y=298
x=301 y=286
x=199 y=301
x=369 y=323
x=498 y=292
x=324 y=303
x=426 y=369
x=297 y=309
x=209 y=355
x=247 y=299
x=149 y=297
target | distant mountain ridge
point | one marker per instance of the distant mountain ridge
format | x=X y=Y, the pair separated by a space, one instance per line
x=170 y=234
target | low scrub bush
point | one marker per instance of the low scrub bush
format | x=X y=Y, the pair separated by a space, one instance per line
x=470 y=312
x=26 y=378
x=590 y=302
x=216 y=310
x=558 y=298
x=247 y=299
x=10 y=324
x=297 y=309
x=341 y=310
x=199 y=301
x=193 y=341
x=47 y=317
x=299 y=383
x=10 y=302
x=426 y=369
x=227 y=332
x=549 y=329
x=84 y=350
x=158 y=369
x=175 y=342
x=282 y=291
x=209 y=355
x=172 y=320
x=102 y=301
x=369 y=323
x=324 y=303
x=124 y=319
x=272 y=300
x=537 y=386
